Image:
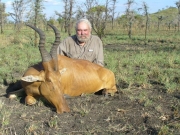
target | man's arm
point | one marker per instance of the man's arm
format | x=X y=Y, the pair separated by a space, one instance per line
x=61 y=48
x=100 y=54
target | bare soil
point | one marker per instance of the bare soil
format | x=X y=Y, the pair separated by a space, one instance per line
x=122 y=114
x=95 y=114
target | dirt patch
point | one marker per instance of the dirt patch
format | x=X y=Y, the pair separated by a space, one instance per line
x=124 y=113
x=132 y=111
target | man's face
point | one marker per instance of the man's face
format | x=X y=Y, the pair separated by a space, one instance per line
x=83 y=32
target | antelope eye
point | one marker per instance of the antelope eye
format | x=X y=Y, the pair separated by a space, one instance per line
x=48 y=80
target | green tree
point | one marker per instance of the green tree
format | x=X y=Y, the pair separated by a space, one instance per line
x=2 y=15
x=67 y=15
x=130 y=16
x=19 y=7
x=113 y=12
x=97 y=18
x=97 y=14
x=178 y=6
x=36 y=16
x=61 y=22
x=146 y=14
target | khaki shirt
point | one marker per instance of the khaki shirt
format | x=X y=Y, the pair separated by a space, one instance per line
x=91 y=51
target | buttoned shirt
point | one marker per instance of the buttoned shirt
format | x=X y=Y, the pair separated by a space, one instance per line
x=92 y=50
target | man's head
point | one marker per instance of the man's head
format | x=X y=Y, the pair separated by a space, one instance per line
x=83 y=30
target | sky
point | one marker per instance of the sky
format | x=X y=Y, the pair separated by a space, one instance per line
x=57 y=5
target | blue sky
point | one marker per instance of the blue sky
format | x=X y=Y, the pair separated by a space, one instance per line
x=57 y=5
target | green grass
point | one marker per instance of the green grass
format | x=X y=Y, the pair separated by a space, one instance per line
x=136 y=63
x=141 y=66
x=17 y=53
x=132 y=62
x=4 y=116
x=154 y=37
x=15 y=60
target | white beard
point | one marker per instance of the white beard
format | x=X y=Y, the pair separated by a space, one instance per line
x=82 y=39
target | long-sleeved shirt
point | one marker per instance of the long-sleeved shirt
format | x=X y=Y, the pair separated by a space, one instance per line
x=91 y=51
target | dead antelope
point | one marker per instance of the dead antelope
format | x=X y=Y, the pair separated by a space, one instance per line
x=57 y=75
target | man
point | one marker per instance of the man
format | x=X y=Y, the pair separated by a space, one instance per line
x=83 y=45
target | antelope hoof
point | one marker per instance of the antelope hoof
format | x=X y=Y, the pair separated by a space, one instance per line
x=12 y=96
x=30 y=100
x=107 y=93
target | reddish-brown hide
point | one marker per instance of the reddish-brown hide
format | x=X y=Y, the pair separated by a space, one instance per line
x=58 y=75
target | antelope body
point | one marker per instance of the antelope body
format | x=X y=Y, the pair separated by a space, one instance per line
x=57 y=75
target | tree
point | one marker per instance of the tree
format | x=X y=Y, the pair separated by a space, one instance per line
x=18 y=7
x=160 y=19
x=145 y=9
x=67 y=15
x=35 y=16
x=178 y=6
x=113 y=12
x=97 y=20
x=130 y=16
x=98 y=15
x=2 y=15
x=61 y=22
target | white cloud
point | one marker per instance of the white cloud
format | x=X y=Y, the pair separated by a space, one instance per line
x=53 y=2
x=7 y=3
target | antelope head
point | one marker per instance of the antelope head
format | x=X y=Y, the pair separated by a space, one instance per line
x=50 y=86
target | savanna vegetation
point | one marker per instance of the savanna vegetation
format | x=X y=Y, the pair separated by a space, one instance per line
x=141 y=49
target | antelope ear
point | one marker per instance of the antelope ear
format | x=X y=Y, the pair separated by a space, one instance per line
x=33 y=78
x=62 y=71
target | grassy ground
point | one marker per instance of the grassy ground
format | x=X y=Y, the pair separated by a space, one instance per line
x=148 y=80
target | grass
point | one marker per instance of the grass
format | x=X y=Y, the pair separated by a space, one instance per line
x=140 y=66
x=4 y=116
x=134 y=63
x=146 y=66
x=53 y=123
x=164 y=130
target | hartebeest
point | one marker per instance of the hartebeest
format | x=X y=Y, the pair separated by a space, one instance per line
x=57 y=75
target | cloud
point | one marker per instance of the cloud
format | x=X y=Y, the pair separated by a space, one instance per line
x=53 y=2
x=8 y=3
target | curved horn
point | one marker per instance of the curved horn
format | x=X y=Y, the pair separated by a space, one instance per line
x=44 y=54
x=56 y=43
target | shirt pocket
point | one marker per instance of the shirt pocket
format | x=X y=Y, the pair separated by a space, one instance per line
x=90 y=52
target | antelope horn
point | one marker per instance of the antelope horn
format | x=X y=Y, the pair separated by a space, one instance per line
x=46 y=57
x=56 y=43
